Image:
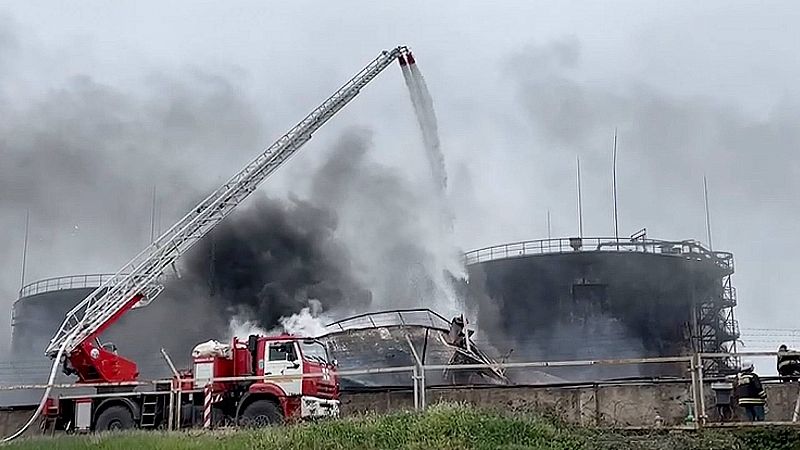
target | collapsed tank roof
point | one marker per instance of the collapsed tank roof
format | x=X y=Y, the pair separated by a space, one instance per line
x=390 y=339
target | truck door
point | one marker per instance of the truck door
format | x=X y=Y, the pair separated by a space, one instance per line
x=283 y=358
x=323 y=383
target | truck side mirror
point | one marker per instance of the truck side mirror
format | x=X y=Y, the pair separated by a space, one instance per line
x=294 y=364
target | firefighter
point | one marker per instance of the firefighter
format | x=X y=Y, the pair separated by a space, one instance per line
x=788 y=365
x=750 y=393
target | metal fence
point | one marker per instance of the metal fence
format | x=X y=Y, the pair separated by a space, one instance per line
x=696 y=382
x=684 y=249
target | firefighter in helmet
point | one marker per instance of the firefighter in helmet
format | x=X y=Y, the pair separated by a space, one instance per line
x=750 y=392
x=788 y=364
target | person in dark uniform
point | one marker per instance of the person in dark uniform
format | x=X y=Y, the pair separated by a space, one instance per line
x=788 y=364
x=750 y=392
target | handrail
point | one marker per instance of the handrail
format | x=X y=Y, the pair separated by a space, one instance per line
x=65 y=282
x=688 y=249
x=396 y=318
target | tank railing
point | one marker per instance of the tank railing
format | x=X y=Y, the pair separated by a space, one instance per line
x=66 y=282
x=401 y=317
x=686 y=249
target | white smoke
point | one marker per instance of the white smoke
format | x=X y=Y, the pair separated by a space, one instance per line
x=306 y=323
x=399 y=238
x=241 y=329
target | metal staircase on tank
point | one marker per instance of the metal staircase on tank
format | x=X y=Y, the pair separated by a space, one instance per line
x=716 y=329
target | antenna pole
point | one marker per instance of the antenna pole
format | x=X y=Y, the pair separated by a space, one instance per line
x=153 y=217
x=708 y=214
x=25 y=247
x=614 y=186
x=580 y=204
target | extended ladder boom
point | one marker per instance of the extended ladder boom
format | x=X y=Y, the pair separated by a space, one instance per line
x=136 y=284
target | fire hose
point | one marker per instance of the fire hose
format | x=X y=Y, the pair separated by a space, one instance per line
x=46 y=395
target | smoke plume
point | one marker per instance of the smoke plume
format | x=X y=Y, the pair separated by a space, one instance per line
x=363 y=239
x=83 y=157
x=270 y=261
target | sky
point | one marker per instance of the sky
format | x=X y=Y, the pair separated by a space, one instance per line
x=105 y=102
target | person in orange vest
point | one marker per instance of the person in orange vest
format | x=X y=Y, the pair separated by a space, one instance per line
x=750 y=392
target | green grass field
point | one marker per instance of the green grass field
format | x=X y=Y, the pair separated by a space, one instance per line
x=441 y=427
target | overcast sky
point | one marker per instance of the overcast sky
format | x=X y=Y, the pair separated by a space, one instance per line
x=102 y=101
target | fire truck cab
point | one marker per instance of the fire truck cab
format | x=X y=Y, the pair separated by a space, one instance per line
x=275 y=378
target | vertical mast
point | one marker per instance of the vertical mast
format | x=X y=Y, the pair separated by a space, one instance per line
x=614 y=187
x=708 y=214
x=580 y=203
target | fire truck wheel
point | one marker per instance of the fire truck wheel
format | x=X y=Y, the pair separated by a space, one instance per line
x=262 y=413
x=115 y=417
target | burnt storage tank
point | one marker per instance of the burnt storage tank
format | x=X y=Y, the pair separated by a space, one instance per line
x=604 y=298
x=388 y=341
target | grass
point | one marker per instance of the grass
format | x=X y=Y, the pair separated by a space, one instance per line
x=441 y=427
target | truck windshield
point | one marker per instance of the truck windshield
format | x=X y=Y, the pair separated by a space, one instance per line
x=314 y=351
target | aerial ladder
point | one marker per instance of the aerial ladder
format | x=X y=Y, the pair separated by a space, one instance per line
x=137 y=283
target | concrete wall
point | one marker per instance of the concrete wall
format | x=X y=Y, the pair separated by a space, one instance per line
x=781 y=398
x=12 y=419
x=621 y=405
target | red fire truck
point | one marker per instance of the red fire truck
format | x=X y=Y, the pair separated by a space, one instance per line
x=263 y=380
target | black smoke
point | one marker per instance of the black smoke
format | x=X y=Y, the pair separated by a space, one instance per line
x=267 y=261
x=359 y=240
x=271 y=259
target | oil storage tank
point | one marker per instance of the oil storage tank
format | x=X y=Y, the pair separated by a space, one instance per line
x=41 y=307
x=604 y=298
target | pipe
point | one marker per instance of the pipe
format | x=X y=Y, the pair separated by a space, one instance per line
x=170 y=364
x=693 y=372
x=419 y=378
x=701 y=391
